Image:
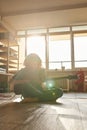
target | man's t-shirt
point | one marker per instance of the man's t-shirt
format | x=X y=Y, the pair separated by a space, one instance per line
x=34 y=76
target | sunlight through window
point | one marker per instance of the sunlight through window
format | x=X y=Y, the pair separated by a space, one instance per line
x=36 y=44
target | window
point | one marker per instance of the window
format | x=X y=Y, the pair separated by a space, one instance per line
x=20 y=33
x=60 y=29
x=36 y=44
x=36 y=31
x=59 y=52
x=80 y=50
x=79 y=28
x=57 y=47
x=21 y=42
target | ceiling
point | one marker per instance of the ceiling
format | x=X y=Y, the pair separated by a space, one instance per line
x=25 y=14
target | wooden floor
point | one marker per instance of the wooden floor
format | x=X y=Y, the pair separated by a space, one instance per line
x=69 y=113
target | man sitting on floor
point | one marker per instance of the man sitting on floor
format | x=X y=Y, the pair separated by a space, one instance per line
x=30 y=82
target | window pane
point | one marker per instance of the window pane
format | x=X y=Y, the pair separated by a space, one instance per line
x=21 y=42
x=59 y=52
x=76 y=28
x=37 y=31
x=36 y=44
x=21 y=33
x=60 y=29
x=80 y=50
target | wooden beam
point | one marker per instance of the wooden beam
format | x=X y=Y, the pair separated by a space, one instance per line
x=6 y=26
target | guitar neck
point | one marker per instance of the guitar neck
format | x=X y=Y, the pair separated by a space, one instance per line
x=65 y=77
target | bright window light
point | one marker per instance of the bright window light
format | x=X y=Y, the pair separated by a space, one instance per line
x=36 y=44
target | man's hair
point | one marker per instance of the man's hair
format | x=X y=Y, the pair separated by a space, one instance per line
x=31 y=58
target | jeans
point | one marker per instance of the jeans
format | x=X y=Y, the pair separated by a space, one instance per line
x=28 y=90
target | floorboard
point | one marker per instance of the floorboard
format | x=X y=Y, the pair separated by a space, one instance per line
x=68 y=113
